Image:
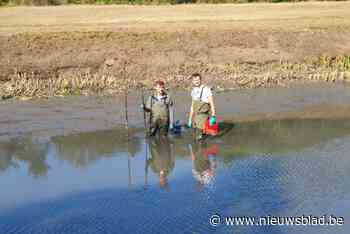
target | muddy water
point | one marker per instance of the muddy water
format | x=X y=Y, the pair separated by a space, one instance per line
x=100 y=182
x=63 y=116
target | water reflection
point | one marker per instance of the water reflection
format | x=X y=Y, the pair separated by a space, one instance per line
x=25 y=151
x=82 y=150
x=280 y=168
x=204 y=162
x=85 y=149
x=162 y=158
x=279 y=136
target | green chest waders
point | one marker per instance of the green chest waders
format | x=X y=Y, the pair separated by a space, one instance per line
x=201 y=164
x=159 y=116
x=201 y=112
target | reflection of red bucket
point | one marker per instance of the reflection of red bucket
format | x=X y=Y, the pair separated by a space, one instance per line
x=212 y=130
x=211 y=151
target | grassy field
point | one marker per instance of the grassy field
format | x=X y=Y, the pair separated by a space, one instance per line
x=91 y=18
x=133 y=2
x=114 y=47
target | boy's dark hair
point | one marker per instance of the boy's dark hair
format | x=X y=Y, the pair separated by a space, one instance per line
x=194 y=75
x=159 y=82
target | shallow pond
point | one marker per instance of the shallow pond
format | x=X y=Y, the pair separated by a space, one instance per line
x=116 y=181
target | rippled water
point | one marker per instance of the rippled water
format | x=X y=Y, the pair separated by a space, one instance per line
x=101 y=182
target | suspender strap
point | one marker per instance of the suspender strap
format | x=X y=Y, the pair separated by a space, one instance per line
x=164 y=99
x=200 y=97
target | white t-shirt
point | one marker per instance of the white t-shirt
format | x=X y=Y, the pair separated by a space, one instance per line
x=196 y=93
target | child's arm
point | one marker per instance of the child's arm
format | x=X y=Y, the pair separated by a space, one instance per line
x=189 y=124
x=212 y=105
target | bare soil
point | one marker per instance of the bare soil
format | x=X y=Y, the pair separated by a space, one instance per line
x=228 y=43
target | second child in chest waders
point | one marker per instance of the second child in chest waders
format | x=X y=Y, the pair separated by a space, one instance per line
x=160 y=107
x=202 y=113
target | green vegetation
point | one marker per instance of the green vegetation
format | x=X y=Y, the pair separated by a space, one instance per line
x=341 y=62
x=4 y=2
x=129 y=2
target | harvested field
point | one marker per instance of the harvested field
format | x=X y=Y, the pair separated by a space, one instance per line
x=46 y=51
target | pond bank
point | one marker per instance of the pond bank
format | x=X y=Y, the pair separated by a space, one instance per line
x=62 y=116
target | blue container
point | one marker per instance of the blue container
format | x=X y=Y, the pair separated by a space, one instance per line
x=177 y=127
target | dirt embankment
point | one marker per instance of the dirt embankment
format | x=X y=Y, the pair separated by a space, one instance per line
x=233 y=47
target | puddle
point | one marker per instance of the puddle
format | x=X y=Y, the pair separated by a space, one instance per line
x=100 y=182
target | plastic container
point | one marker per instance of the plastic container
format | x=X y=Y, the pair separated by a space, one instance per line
x=212 y=130
x=177 y=127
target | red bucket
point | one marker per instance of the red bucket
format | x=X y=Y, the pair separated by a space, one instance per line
x=212 y=130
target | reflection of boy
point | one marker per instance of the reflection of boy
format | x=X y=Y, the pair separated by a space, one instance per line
x=204 y=163
x=162 y=159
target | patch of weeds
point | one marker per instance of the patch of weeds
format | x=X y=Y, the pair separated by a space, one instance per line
x=69 y=91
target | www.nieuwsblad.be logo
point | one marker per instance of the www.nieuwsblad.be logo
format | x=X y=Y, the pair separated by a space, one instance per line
x=303 y=220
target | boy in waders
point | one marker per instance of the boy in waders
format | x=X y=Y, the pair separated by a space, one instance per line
x=160 y=106
x=202 y=106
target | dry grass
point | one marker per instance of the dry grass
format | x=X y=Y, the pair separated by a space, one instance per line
x=155 y=18
x=235 y=46
x=232 y=76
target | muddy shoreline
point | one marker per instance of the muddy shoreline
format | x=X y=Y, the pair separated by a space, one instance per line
x=63 y=116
